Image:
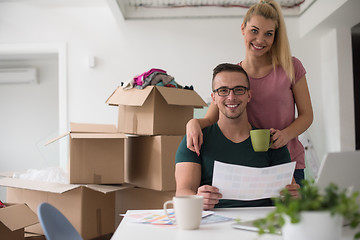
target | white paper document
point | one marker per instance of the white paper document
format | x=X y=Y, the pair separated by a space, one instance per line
x=248 y=183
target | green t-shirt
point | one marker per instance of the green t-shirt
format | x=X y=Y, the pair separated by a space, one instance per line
x=216 y=147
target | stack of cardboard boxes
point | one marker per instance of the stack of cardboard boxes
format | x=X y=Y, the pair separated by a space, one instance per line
x=156 y=117
x=99 y=155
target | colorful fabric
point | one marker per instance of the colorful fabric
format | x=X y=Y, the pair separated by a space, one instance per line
x=139 y=80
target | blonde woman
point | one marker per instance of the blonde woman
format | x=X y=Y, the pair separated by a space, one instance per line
x=277 y=81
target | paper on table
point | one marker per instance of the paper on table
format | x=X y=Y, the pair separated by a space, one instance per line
x=248 y=183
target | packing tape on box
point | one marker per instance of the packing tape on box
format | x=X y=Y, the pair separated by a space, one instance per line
x=98 y=221
x=135 y=123
x=97 y=178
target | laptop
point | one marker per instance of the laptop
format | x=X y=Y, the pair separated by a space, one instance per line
x=341 y=168
x=249 y=226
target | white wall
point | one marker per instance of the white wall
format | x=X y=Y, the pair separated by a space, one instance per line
x=29 y=117
x=330 y=90
x=187 y=48
x=325 y=48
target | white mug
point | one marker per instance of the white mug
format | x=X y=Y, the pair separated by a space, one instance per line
x=188 y=211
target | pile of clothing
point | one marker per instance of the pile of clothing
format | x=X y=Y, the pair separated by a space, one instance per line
x=154 y=77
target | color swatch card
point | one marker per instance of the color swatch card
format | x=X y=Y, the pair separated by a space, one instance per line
x=158 y=217
x=248 y=183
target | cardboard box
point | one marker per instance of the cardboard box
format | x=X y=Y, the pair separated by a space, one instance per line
x=138 y=199
x=90 y=208
x=150 y=161
x=13 y=219
x=96 y=154
x=155 y=110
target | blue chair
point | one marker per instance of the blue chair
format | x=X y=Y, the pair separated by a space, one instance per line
x=55 y=225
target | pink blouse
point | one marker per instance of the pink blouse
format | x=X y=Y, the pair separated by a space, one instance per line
x=273 y=105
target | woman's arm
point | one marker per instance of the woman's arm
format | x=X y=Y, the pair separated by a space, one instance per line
x=193 y=128
x=304 y=119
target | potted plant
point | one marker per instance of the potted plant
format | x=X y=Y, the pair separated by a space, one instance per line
x=314 y=215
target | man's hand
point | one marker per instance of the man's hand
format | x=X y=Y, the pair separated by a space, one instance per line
x=211 y=196
x=293 y=190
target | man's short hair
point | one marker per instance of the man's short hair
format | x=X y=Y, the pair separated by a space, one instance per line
x=229 y=67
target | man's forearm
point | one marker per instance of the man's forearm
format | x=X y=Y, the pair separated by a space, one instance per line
x=184 y=192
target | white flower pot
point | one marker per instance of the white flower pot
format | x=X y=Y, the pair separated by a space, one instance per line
x=317 y=225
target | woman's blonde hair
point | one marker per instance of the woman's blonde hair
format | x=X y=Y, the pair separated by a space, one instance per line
x=280 y=52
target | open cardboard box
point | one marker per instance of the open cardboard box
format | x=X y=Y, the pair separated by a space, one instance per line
x=150 y=161
x=155 y=110
x=96 y=154
x=90 y=208
x=13 y=219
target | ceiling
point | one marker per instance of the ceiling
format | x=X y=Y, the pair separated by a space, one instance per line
x=165 y=9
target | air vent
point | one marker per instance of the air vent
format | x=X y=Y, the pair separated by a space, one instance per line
x=157 y=9
x=18 y=75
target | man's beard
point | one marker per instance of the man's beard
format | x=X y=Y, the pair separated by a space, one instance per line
x=231 y=115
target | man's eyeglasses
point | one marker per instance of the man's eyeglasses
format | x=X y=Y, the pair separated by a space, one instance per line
x=225 y=91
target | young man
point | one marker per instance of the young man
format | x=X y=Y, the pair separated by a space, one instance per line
x=227 y=141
